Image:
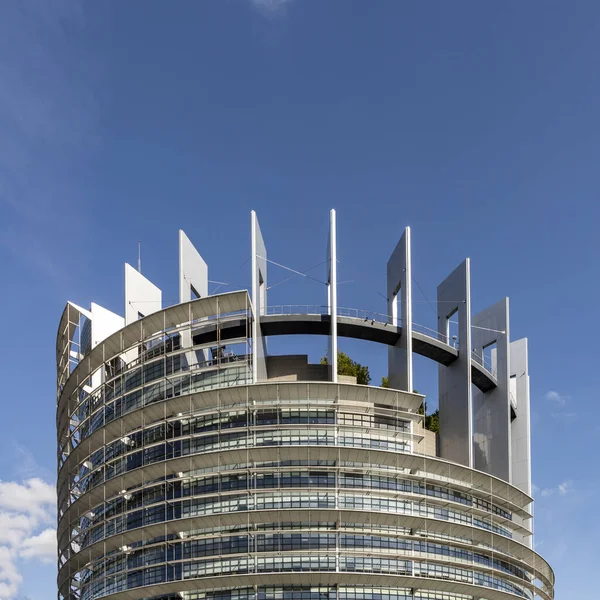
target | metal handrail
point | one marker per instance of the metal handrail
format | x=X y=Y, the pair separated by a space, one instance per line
x=431 y=333
x=365 y=315
x=374 y=317
x=484 y=361
x=352 y=313
x=296 y=309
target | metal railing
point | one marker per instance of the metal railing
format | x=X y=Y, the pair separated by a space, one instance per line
x=431 y=333
x=365 y=315
x=352 y=313
x=483 y=361
x=297 y=309
x=374 y=317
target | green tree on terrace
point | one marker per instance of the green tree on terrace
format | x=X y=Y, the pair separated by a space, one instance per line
x=432 y=421
x=346 y=366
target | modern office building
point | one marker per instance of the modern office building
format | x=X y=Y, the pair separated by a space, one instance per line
x=193 y=464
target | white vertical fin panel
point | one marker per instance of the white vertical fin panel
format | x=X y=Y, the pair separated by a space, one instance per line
x=193 y=271
x=399 y=282
x=491 y=409
x=193 y=283
x=520 y=425
x=259 y=299
x=454 y=380
x=104 y=323
x=142 y=297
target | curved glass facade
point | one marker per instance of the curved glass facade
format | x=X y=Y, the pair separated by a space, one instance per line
x=183 y=479
x=191 y=495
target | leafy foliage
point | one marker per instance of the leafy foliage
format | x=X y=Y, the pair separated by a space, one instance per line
x=346 y=366
x=432 y=421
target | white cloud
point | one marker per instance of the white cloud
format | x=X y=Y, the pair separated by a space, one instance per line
x=562 y=489
x=15 y=527
x=42 y=546
x=27 y=511
x=554 y=396
x=561 y=416
x=32 y=497
x=10 y=578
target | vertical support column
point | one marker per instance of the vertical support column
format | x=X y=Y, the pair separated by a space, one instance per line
x=491 y=410
x=456 y=429
x=399 y=281
x=193 y=284
x=259 y=300
x=332 y=348
x=520 y=411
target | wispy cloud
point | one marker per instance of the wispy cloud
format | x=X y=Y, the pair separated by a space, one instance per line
x=27 y=511
x=554 y=396
x=25 y=466
x=270 y=8
x=562 y=489
x=563 y=415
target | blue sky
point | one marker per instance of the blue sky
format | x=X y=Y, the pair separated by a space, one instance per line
x=477 y=124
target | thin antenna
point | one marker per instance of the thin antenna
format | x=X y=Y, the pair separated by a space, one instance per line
x=139 y=256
